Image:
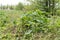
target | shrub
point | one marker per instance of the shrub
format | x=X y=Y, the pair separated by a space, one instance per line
x=35 y=21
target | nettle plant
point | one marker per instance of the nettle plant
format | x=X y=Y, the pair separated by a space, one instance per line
x=35 y=21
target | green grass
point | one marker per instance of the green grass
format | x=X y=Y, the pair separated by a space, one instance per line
x=8 y=19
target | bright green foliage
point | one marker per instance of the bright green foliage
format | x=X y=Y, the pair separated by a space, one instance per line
x=35 y=21
x=32 y=25
x=30 y=22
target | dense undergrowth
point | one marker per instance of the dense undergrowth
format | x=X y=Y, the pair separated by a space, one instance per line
x=32 y=25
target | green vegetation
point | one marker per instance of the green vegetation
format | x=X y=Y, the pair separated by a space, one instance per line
x=33 y=25
x=31 y=22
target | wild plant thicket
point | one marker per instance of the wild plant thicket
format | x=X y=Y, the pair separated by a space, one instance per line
x=33 y=25
x=30 y=23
